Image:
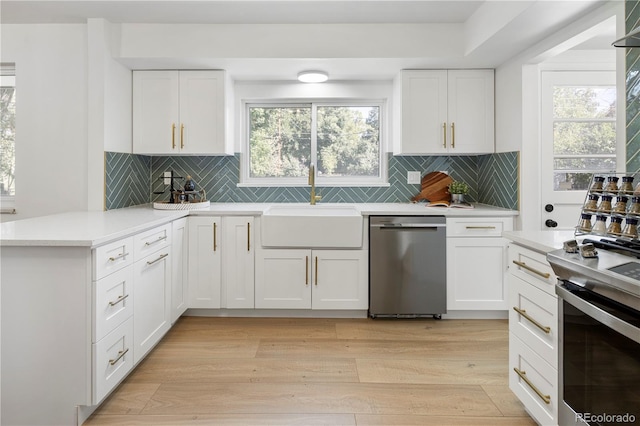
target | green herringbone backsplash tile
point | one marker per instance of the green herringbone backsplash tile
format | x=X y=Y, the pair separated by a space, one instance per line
x=219 y=176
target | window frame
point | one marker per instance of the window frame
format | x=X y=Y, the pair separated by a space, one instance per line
x=320 y=181
x=9 y=70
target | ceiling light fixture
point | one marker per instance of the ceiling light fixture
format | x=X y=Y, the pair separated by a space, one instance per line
x=313 y=76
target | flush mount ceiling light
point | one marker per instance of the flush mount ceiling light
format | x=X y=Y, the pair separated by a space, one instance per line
x=313 y=76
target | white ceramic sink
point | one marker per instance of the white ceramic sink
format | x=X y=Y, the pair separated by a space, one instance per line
x=304 y=225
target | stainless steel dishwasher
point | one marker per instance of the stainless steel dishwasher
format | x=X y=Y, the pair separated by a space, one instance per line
x=407 y=266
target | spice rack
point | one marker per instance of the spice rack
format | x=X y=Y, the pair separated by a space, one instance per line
x=614 y=200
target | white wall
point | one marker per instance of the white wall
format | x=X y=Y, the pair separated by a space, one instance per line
x=51 y=122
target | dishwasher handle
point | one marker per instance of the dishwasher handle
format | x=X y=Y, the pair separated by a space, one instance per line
x=399 y=226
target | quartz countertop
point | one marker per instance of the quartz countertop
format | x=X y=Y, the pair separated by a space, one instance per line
x=541 y=241
x=92 y=229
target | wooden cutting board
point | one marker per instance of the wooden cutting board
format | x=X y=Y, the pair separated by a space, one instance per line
x=434 y=187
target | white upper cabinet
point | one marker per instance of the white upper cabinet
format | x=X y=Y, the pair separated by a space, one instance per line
x=182 y=112
x=443 y=112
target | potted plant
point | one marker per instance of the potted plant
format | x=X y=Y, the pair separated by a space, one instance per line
x=458 y=189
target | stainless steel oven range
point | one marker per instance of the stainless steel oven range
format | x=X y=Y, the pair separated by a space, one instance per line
x=599 y=326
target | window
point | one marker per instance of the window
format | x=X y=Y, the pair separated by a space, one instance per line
x=7 y=131
x=341 y=139
x=584 y=132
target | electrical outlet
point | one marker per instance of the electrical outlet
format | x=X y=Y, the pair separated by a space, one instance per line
x=413 y=177
x=167 y=178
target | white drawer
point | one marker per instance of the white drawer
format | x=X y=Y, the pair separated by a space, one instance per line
x=112 y=257
x=541 y=377
x=112 y=359
x=112 y=301
x=536 y=323
x=478 y=227
x=152 y=240
x=532 y=267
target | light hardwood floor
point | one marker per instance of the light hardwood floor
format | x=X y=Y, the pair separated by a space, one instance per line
x=275 y=371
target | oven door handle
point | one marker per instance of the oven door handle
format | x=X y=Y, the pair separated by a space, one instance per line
x=598 y=314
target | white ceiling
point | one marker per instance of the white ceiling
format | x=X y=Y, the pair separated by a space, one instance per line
x=492 y=31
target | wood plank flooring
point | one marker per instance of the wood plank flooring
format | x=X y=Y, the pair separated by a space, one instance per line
x=302 y=371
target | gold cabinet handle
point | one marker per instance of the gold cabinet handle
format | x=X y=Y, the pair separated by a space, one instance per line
x=523 y=376
x=316 y=270
x=453 y=135
x=215 y=236
x=118 y=300
x=306 y=270
x=120 y=256
x=162 y=256
x=119 y=357
x=544 y=275
x=480 y=227
x=534 y=322
x=155 y=241
x=248 y=236
x=173 y=135
x=444 y=134
x=181 y=136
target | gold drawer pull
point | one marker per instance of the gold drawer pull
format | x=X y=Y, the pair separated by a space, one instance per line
x=120 y=256
x=119 y=357
x=248 y=236
x=118 y=300
x=162 y=256
x=173 y=135
x=444 y=133
x=453 y=135
x=480 y=227
x=523 y=376
x=181 y=136
x=534 y=322
x=316 y=270
x=215 y=236
x=156 y=241
x=544 y=275
x=306 y=270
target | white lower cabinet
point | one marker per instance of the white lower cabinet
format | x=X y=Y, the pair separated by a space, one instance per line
x=112 y=359
x=311 y=279
x=152 y=304
x=179 y=268
x=533 y=333
x=477 y=263
x=238 y=259
x=205 y=261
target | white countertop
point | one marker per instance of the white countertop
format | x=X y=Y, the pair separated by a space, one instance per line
x=542 y=241
x=92 y=229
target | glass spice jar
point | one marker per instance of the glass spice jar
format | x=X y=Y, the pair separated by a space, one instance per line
x=627 y=184
x=605 y=204
x=621 y=204
x=612 y=184
x=600 y=227
x=592 y=202
x=631 y=228
x=585 y=222
x=635 y=206
x=615 y=227
x=598 y=184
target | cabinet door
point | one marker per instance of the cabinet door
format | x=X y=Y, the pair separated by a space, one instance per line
x=202 y=112
x=422 y=112
x=476 y=274
x=471 y=111
x=340 y=279
x=155 y=112
x=239 y=263
x=283 y=279
x=179 y=279
x=152 y=304
x=204 y=262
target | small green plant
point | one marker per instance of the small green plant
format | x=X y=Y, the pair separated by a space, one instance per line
x=458 y=187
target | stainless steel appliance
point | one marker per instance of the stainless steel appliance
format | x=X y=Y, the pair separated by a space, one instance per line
x=407 y=266
x=599 y=350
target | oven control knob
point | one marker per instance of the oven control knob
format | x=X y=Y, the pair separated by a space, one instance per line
x=548 y=208
x=550 y=223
